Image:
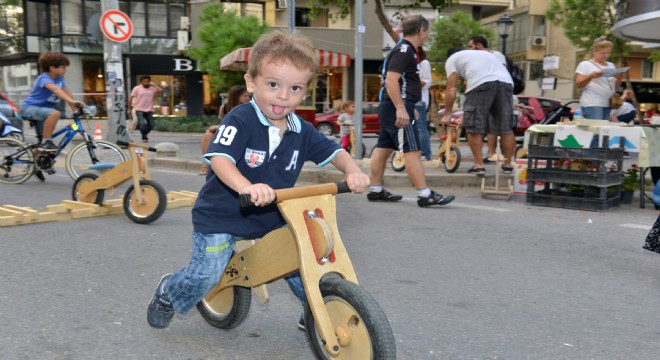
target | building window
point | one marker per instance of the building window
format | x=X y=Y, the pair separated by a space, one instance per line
x=138 y=16
x=176 y=12
x=647 y=69
x=157 y=20
x=302 y=17
x=37 y=19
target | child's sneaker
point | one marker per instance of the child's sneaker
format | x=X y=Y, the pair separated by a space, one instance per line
x=383 y=195
x=301 y=323
x=160 y=310
x=48 y=146
x=434 y=199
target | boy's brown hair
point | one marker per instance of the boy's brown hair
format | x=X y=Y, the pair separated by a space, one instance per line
x=52 y=58
x=278 y=47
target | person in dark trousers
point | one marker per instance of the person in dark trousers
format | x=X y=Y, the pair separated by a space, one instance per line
x=144 y=105
x=398 y=128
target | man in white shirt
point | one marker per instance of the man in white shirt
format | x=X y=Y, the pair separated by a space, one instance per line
x=481 y=43
x=489 y=91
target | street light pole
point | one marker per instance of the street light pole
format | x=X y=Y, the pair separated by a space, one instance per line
x=504 y=25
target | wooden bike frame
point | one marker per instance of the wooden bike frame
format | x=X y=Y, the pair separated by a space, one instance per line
x=310 y=244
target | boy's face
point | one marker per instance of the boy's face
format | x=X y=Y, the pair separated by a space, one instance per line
x=58 y=70
x=278 y=88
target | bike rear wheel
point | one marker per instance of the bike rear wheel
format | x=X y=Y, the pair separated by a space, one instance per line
x=228 y=308
x=360 y=324
x=93 y=198
x=16 y=161
x=454 y=161
x=398 y=161
x=80 y=157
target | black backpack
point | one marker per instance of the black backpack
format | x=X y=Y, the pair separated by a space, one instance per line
x=517 y=74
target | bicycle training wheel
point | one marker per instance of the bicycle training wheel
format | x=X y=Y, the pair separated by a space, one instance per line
x=16 y=161
x=398 y=161
x=154 y=202
x=226 y=309
x=454 y=161
x=362 y=328
x=93 y=198
x=80 y=157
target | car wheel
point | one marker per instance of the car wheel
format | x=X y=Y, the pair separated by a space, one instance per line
x=325 y=129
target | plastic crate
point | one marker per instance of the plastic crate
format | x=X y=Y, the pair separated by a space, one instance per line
x=556 y=152
x=575 y=177
x=567 y=201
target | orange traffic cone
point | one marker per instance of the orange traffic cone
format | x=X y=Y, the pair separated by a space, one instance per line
x=98 y=135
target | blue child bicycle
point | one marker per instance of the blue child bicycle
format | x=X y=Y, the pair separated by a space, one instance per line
x=19 y=161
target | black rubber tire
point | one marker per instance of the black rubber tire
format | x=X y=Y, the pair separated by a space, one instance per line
x=16 y=161
x=78 y=159
x=94 y=198
x=451 y=165
x=16 y=135
x=150 y=211
x=364 y=150
x=373 y=337
x=228 y=309
x=397 y=161
x=326 y=129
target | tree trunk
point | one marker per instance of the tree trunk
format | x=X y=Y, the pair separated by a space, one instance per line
x=383 y=21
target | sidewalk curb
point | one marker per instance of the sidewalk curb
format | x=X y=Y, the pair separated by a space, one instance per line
x=437 y=179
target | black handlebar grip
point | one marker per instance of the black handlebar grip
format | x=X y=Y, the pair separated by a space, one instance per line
x=245 y=200
x=153 y=149
x=122 y=143
x=342 y=187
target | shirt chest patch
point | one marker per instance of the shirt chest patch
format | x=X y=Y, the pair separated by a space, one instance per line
x=254 y=158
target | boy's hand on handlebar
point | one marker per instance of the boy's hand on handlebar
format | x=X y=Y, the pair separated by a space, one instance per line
x=75 y=105
x=358 y=182
x=260 y=194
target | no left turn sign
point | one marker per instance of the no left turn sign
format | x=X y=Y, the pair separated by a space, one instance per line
x=116 y=25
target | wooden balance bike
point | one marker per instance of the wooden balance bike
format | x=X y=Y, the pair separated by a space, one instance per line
x=144 y=205
x=448 y=152
x=342 y=321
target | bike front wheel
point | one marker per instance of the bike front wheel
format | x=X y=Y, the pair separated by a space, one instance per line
x=454 y=161
x=154 y=202
x=81 y=157
x=226 y=309
x=361 y=326
x=16 y=161
x=398 y=161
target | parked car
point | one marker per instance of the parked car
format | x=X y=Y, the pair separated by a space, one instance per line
x=548 y=105
x=10 y=111
x=326 y=123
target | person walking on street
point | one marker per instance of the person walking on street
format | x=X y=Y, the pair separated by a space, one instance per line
x=144 y=104
x=422 y=105
x=398 y=129
x=489 y=91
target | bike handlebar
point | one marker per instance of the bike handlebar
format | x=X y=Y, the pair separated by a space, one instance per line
x=147 y=147
x=300 y=192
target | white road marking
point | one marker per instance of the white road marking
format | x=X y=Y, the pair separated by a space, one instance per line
x=636 y=226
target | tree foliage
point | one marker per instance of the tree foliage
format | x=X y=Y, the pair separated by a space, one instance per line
x=584 y=21
x=343 y=8
x=220 y=33
x=453 y=31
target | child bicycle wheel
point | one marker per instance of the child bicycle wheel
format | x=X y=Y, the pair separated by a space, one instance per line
x=361 y=326
x=154 y=202
x=93 y=198
x=398 y=161
x=16 y=161
x=226 y=309
x=454 y=161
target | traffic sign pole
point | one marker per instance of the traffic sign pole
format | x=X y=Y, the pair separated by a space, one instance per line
x=114 y=27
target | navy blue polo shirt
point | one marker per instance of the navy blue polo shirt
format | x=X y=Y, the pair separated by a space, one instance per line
x=249 y=140
x=403 y=60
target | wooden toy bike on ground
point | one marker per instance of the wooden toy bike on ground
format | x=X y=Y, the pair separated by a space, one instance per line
x=342 y=321
x=448 y=152
x=144 y=201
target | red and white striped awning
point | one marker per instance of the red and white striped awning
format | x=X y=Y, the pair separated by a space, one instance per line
x=237 y=59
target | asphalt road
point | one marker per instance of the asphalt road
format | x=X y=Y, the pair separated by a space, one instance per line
x=477 y=279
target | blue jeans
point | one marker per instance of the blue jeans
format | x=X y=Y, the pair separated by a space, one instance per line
x=210 y=255
x=37 y=113
x=596 y=112
x=145 y=122
x=422 y=127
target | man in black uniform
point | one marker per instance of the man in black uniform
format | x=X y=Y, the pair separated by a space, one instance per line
x=398 y=129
